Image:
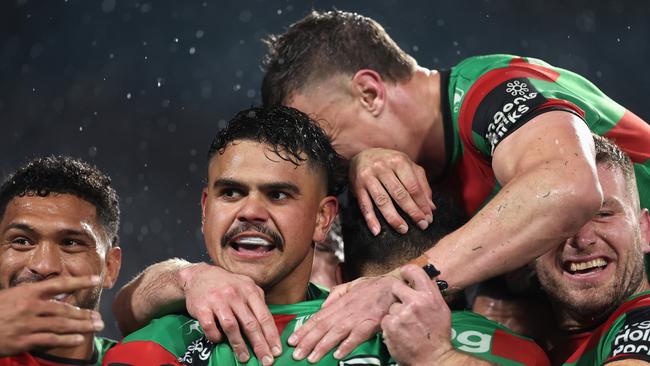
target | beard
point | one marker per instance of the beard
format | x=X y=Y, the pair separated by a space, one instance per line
x=589 y=304
x=84 y=298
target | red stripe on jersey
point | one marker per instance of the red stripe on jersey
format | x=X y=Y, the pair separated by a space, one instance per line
x=281 y=321
x=141 y=353
x=517 y=349
x=592 y=341
x=632 y=135
x=475 y=170
x=477 y=178
x=564 y=104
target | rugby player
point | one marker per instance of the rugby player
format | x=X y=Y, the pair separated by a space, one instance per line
x=59 y=249
x=511 y=136
x=596 y=279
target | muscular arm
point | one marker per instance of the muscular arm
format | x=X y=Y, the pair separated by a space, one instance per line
x=154 y=292
x=550 y=189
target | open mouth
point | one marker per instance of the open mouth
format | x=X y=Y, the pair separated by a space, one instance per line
x=252 y=244
x=585 y=267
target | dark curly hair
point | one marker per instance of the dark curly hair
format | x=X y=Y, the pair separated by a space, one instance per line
x=291 y=134
x=323 y=44
x=63 y=174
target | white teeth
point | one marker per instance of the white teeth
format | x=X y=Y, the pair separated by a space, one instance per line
x=599 y=262
x=251 y=240
x=59 y=297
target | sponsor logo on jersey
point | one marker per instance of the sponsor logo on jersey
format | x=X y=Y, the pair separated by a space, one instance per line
x=521 y=98
x=198 y=352
x=458 y=98
x=471 y=341
x=361 y=361
x=634 y=336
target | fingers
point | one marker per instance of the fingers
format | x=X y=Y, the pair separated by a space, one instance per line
x=253 y=330
x=269 y=329
x=230 y=327
x=60 y=309
x=424 y=184
x=368 y=210
x=385 y=205
x=61 y=325
x=416 y=194
x=336 y=293
x=360 y=333
x=51 y=340
x=206 y=319
x=417 y=278
x=65 y=284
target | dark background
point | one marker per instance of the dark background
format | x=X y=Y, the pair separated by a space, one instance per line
x=140 y=87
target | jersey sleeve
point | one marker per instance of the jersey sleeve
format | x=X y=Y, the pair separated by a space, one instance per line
x=630 y=338
x=144 y=353
x=505 y=99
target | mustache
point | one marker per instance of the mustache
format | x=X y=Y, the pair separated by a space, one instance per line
x=29 y=277
x=276 y=238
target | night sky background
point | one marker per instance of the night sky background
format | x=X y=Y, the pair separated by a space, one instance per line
x=139 y=88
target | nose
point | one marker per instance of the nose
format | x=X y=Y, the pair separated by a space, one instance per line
x=46 y=260
x=253 y=209
x=585 y=237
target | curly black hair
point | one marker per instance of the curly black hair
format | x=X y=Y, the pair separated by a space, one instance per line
x=291 y=134
x=65 y=175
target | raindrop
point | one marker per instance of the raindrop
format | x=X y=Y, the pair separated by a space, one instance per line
x=128 y=95
x=279 y=11
x=192 y=50
x=250 y=93
x=175 y=40
x=145 y=8
x=81 y=128
x=165 y=103
x=415 y=48
x=111 y=56
x=108 y=6
x=92 y=151
x=159 y=82
x=199 y=34
x=236 y=87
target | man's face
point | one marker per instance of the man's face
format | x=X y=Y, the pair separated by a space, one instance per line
x=595 y=270
x=55 y=235
x=350 y=127
x=261 y=214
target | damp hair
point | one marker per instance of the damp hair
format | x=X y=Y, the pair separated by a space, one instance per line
x=44 y=176
x=324 y=44
x=366 y=254
x=290 y=134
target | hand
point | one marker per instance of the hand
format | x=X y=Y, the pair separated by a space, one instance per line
x=377 y=174
x=235 y=301
x=351 y=315
x=417 y=328
x=32 y=320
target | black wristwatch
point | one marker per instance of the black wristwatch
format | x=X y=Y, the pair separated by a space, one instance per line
x=433 y=272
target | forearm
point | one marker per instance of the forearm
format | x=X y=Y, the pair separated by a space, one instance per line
x=156 y=291
x=531 y=214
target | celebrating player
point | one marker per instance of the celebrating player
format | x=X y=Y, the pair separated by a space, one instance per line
x=59 y=225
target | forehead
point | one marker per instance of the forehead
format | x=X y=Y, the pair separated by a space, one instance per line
x=254 y=162
x=51 y=212
x=612 y=181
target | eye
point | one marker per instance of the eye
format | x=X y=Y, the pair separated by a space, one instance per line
x=72 y=242
x=230 y=193
x=20 y=241
x=278 y=195
x=604 y=214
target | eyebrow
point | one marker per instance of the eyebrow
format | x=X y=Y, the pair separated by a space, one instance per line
x=273 y=186
x=64 y=232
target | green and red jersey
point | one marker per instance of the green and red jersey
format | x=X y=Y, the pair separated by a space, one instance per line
x=102 y=345
x=486 y=98
x=624 y=335
x=179 y=340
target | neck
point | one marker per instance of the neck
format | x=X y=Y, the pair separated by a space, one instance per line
x=293 y=287
x=569 y=321
x=428 y=129
x=84 y=351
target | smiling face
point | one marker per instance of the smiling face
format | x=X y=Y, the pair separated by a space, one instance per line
x=55 y=235
x=261 y=215
x=594 y=271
